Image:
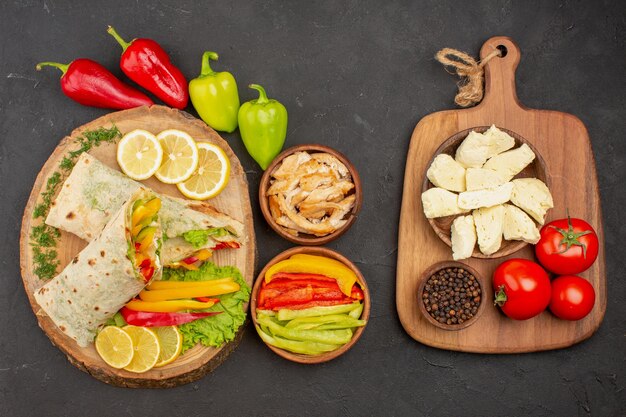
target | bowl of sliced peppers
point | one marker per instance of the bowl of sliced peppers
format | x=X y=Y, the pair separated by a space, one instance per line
x=310 y=304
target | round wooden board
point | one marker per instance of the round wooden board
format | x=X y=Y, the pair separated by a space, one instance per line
x=234 y=200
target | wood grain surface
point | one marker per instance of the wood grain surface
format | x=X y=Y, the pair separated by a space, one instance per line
x=563 y=142
x=234 y=200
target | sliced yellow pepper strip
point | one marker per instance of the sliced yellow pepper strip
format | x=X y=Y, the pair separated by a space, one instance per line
x=168 y=306
x=178 y=293
x=203 y=254
x=316 y=258
x=145 y=211
x=167 y=285
x=316 y=265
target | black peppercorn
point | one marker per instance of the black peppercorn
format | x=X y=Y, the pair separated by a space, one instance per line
x=452 y=296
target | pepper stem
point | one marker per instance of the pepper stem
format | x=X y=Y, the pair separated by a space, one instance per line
x=118 y=38
x=206 y=63
x=262 y=95
x=62 y=67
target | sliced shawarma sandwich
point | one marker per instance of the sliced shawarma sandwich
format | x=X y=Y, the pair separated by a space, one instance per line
x=110 y=271
x=93 y=192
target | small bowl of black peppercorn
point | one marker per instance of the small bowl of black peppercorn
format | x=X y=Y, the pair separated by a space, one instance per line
x=451 y=295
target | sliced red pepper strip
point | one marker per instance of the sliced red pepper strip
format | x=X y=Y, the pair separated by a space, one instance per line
x=190 y=260
x=147 y=273
x=316 y=303
x=357 y=293
x=226 y=245
x=284 y=283
x=327 y=294
x=147 y=319
x=295 y=296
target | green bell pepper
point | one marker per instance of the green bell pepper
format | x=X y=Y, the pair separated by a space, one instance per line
x=215 y=96
x=263 y=127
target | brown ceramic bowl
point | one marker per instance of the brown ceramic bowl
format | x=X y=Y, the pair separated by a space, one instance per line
x=443 y=265
x=442 y=225
x=312 y=250
x=307 y=239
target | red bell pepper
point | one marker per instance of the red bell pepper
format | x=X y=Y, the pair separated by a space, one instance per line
x=147 y=319
x=145 y=62
x=190 y=260
x=90 y=84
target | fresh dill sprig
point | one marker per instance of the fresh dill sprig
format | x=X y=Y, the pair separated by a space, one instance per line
x=43 y=236
x=46 y=263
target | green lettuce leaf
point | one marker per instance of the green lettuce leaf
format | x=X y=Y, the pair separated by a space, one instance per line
x=199 y=238
x=214 y=330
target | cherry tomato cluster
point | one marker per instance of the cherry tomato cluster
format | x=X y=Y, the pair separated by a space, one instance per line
x=523 y=288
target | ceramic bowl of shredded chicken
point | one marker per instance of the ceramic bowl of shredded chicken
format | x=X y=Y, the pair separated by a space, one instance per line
x=310 y=194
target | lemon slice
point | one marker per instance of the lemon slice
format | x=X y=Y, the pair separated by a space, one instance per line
x=115 y=347
x=180 y=156
x=139 y=154
x=211 y=176
x=171 y=341
x=146 y=346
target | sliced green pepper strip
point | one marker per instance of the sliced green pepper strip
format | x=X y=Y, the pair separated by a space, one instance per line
x=270 y=313
x=286 y=314
x=335 y=337
x=348 y=324
x=356 y=313
x=306 y=348
x=316 y=320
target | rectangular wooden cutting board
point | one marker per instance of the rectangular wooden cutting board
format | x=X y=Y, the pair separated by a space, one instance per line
x=563 y=142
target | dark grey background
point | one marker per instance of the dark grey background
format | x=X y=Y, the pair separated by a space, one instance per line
x=356 y=76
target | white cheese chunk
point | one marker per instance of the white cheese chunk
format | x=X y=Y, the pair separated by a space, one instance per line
x=463 y=237
x=489 y=223
x=447 y=173
x=511 y=163
x=532 y=196
x=485 y=198
x=518 y=226
x=480 y=178
x=498 y=140
x=473 y=151
x=438 y=202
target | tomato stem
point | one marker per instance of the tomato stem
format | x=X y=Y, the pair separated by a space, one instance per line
x=500 y=297
x=570 y=238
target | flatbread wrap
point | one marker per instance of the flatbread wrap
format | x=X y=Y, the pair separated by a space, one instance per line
x=110 y=271
x=93 y=192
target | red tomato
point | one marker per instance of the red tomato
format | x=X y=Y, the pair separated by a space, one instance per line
x=567 y=246
x=572 y=297
x=522 y=288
